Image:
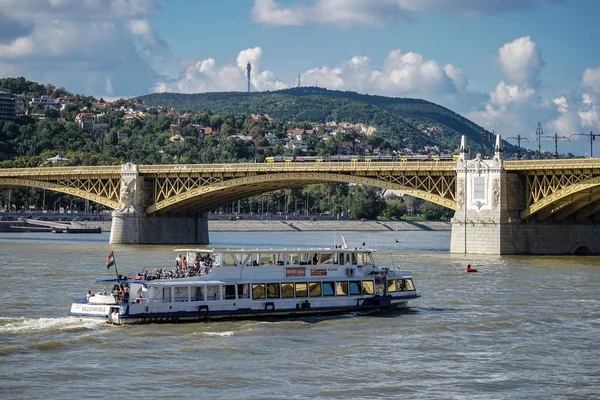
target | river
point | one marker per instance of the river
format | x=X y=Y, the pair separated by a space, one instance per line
x=522 y=327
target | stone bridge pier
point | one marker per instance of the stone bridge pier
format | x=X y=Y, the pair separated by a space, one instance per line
x=487 y=220
x=132 y=225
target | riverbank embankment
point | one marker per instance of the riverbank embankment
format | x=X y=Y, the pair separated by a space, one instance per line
x=325 y=225
x=275 y=225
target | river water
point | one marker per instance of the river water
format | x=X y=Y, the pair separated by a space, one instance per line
x=522 y=327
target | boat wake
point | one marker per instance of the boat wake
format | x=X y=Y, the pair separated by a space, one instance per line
x=34 y=325
x=220 y=334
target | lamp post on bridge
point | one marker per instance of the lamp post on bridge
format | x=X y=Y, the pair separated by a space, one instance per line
x=592 y=137
x=519 y=139
x=556 y=138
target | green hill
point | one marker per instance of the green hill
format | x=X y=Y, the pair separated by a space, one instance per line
x=398 y=120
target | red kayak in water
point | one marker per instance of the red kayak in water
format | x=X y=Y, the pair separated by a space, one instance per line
x=469 y=269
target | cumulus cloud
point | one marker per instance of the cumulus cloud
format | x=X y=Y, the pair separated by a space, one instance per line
x=521 y=60
x=374 y=12
x=589 y=111
x=511 y=105
x=65 y=41
x=402 y=74
x=207 y=76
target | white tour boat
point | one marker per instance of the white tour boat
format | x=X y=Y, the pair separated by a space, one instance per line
x=257 y=283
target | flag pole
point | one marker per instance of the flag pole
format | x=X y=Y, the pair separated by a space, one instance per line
x=114 y=261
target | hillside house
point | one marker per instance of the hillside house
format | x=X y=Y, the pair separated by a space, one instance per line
x=85 y=121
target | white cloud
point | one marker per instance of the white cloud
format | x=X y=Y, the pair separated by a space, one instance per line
x=403 y=74
x=374 y=12
x=521 y=60
x=66 y=41
x=591 y=80
x=568 y=121
x=206 y=76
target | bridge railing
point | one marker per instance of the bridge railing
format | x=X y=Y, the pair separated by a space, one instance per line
x=299 y=166
x=567 y=163
x=60 y=171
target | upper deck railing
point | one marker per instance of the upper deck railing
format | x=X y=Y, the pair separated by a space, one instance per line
x=566 y=164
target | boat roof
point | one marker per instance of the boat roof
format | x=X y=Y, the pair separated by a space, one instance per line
x=279 y=250
x=182 y=282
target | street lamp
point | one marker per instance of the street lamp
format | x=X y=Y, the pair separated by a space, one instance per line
x=592 y=137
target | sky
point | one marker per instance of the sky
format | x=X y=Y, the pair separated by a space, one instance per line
x=503 y=64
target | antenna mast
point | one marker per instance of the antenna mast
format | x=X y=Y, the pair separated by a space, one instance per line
x=248 y=70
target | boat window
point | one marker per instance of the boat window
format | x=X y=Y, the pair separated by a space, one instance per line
x=409 y=285
x=348 y=258
x=244 y=259
x=279 y=259
x=293 y=259
x=243 y=291
x=229 y=292
x=368 y=287
x=301 y=289
x=227 y=260
x=258 y=291
x=266 y=259
x=355 y=288
x=197 y=293
x=401 y=285
x=315 y=289
x=181 y=294
x=391 y=286
x=167 y=295
x=273 y=290
x=328 y=289
x=254 y=259
x=287 y=290
x=213 y=293
x=365 y=258
x=341 y=288
x=326 y=258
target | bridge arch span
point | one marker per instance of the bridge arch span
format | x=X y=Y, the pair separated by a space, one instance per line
x=17 y=182
x=567 y=200
x=207 y=198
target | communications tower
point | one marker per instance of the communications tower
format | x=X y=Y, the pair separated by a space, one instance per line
x=248 y=69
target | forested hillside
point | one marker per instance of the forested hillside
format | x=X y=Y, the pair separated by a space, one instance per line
x=398 y=120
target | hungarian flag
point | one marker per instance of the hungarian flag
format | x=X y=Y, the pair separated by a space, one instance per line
x=110 y=260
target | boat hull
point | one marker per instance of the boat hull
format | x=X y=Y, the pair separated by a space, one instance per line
x=120 y=315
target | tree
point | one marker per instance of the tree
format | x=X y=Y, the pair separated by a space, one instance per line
x=395 y=209
x=435 y=212
x=366 y=202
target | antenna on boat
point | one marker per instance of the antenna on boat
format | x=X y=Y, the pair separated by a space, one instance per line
x=344 y=241
x=393 y=263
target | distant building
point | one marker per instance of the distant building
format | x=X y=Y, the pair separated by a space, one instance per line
x=99 y=127
x=8 y=106
x=122 y=136
x=45 y=102
x=297 y=145
x=85 y=121
x=177 y=138
x=261 y=117
x=272 y=139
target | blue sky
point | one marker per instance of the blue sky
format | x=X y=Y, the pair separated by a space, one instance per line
x=504 y=64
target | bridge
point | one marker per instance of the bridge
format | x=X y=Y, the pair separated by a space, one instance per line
x=502 y=207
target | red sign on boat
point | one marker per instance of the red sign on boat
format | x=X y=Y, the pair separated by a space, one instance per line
x=295 y=272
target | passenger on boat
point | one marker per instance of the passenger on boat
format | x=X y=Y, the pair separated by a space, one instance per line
x=178 y=260
x=184 y=262
x=89 y=294
x=126 y=296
